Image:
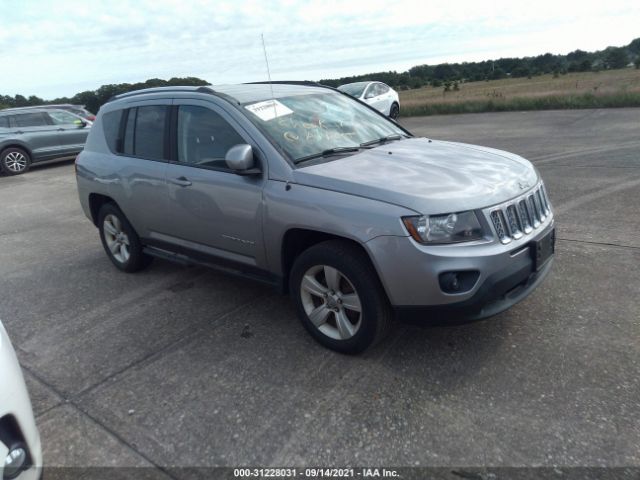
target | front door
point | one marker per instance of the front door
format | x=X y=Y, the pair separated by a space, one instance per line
x=211 y=209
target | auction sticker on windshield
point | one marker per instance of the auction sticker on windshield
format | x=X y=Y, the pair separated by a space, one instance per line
x=269 y=109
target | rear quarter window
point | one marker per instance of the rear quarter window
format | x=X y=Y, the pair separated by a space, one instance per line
x=111 y=128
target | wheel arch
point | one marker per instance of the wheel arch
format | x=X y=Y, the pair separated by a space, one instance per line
x=17 y=144
x=96 y=201
x=297 y=240
x=397 y=104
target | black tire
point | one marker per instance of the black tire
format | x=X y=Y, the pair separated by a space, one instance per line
x=394 y=111
x=135 y=260
x=353 y=264
x=14 y=161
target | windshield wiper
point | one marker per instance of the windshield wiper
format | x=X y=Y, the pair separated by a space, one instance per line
x=325 y=153
x=388 y=138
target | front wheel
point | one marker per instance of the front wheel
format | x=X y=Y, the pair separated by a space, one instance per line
x=120 y=241
x=339 y=298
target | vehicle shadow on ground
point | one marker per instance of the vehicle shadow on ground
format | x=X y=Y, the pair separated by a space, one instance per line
x=438 y=358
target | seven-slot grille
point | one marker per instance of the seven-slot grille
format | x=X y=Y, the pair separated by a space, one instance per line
x=521 y=216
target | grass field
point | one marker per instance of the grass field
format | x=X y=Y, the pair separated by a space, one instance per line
x=612 y=88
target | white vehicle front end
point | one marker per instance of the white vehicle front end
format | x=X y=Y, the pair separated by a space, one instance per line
x=20 y=452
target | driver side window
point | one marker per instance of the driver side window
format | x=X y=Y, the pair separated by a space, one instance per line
x=60 y=117
x=204 y=137
x=371 y=91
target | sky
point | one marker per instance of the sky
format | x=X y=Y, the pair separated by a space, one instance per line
x=59 y=48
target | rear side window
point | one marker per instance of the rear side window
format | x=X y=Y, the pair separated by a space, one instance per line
x=4 y=122
x=382 y=88
x=145 y=132
x=111 y=128
x=36 y=119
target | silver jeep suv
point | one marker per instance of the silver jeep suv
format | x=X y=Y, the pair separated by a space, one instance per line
x=313 y=191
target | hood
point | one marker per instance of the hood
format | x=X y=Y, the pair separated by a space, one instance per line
x=427 y=176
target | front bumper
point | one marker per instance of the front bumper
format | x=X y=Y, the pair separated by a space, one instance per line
x=410 y=274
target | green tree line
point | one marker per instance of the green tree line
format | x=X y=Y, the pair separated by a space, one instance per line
x=437 y=75
x=94 y=99
x=415 y=77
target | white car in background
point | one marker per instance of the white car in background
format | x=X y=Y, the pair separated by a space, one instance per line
x=377 y=94
x=20 y=453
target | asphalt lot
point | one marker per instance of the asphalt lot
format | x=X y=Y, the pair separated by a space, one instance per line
x=188 y=367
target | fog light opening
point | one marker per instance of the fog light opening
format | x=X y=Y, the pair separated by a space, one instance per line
x=458 y=282
x=450 y=282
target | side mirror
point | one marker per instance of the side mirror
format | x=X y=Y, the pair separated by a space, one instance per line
x=240 y=159
x=369 y=95
x=80 y=123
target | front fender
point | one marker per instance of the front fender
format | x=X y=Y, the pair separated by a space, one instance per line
x=290 y=206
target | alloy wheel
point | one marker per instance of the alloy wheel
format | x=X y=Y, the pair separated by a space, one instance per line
x=116 y=238
x=16 y=162
x=331 y=302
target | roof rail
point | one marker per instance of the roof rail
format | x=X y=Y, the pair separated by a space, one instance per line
x=143 y=91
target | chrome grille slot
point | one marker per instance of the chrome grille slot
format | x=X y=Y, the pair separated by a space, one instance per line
x=524 y=215
x=538 y=200
x=533 y=211
x=521 y=216
x=500 y=225
x=545 y=198
x=514 y=223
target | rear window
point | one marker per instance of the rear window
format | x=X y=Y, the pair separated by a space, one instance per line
x=31 y=119
x=143 y=132
x=111 y=128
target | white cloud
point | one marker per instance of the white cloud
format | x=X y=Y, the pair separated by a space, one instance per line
x=53 y=48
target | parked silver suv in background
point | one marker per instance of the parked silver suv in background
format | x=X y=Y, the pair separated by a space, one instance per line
x=33 y=135
x=316 y=192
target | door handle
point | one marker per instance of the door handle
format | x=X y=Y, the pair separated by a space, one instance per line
x=181 y=181
x=61 y=129
x=19 y=132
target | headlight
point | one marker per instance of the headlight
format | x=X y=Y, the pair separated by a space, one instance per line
x=451 y=228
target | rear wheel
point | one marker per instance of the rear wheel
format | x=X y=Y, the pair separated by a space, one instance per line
x=339 y=298
x=394 y=112
x=14 y=161
x=120 y=241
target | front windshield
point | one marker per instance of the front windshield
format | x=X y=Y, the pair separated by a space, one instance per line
x=354 y=89
x=307 y=125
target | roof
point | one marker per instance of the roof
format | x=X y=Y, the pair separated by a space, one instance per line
x=43 y=107
x=241 y=93
x=13 y=111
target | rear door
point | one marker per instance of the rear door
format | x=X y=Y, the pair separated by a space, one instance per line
x=139 y=168
x=37 y=131
x=385 y=98
x=380 y=99
x=72 y=133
